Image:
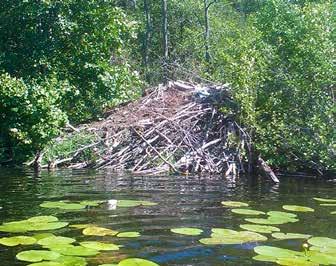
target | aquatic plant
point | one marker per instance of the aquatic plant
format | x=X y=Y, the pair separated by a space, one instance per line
x=136 y=262
x=190 y=231
x=247 y=212
x=37 y=255
x=234 y=204
x=259 y=228
x=17 y=240
x=99 y=231
x=297 y=208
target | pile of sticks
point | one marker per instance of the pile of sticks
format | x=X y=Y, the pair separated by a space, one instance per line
x=177 y=128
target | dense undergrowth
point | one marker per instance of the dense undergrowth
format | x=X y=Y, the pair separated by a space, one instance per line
x=69 y=61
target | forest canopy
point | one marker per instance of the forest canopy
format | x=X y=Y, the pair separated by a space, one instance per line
x=69 y=61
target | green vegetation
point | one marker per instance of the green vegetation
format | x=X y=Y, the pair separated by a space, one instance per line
x=68 y=61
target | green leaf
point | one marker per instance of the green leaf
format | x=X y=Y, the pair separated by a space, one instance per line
x=281 y=214
x=322 y=242
x=328 y=204
x=301 y=261
x=62 y=205
x=272 y=220
x=227 y=237
x=76 y=251
x=128 y=234
x=91 y=203
x=247 y=212
x=259 y=228
x=42 y=219
x=134 y=203
x=187 y=231
x=81 y=226
x=234 y=204
x=71 y=261
x=276 y=252
x=17 y=240
x=136 y=262
x=56 y=240
x=37 y=255
x=290 y=236
x=99 y=245
x=42 y=235
x=325 y=200
x=47 y=263
x=297 y=208
x=264 y=258
x=99 y=231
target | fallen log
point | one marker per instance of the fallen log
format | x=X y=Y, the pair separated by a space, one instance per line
x=267 y=170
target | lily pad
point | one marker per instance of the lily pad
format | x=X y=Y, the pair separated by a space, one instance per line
x=325 y=200
x=46 y=263
x=260 y=228
x=281 y=214
x=129 y=234
x=77 y=251
x=134 y=203
x=56 y=240
x=42 y=219
x=81 y=226
x=187 y=231
x=296 y=208
x=42 y=235
x=99 y=245
x=71 y=261
x=62 y=205
x=235 y=237
x=300 y=261
x=234 y=204
x=322 y=242
x=17 y=240
x=37 y=255
x=328 y=250
x=91 y=203
x=328 y=204
x=30 y=225
x=137 y=262
x=99 y=231
x=333 y=212
x=247 y=212
x=264 y=258
x=272 y=220
x=290 y=236
x=276 y=252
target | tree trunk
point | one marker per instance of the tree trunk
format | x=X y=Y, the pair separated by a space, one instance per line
x=207 y=30
x=147 y=39
x=165 y=41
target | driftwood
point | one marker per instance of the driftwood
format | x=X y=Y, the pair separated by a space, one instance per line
x=178 y=128
x=264 y=167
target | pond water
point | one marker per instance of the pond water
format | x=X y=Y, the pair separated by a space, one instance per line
x=182 y=201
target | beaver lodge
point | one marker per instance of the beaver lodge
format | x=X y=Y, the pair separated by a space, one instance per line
x=178 y=128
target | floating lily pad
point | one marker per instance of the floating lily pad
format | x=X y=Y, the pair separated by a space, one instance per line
x=37 y=255
x=81 y=226
x=71 y=261
x=233 y=237
x=46 y=263
x=30 y=225
x=247 y=212
x=328 y=204
x=300 y=261
x=281 y=214
x=325 y=200
x=62 y=205
x=56 y=240
x=17 y=240
x=99 y=245
x=234 y=204
x=320 y=258
x=187 y=231
x=137 y=262
x=134 y=203
x=290 y=236
x=328 y=250
x=222 y=231
x=264 y=258
x=99 y=231
x=42 y=235
x=91 y=203
x=77 y=251
x=108 y=264
x=276 y=252
x=296 y=208
x=260 y=228
x=333 y=212
x=322 y=242
x=272 y=220
x=128 y=234
x=43 y=219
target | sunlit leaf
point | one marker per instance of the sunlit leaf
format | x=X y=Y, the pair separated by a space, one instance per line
x=77 y=251
x=98 y=231
x=297 y=208
x=322 y=242
x=290 y=236
x=134 y=203
x=328 y=204
x=187 y=231
x=272 y=220
x=264 y=258
x=247 y=212
x=300 y=261
x=136 y=262
x=128 y=234
x=276 y=252
x=99 y=245
x=71 y=261
x=42 y=219
x=37 y=255
x=81 y=226
x=234 y=204
x=235 y=237
x=47 y=263
x=259 y=228
x=91 y=203
x=56 y=240
x=17 y=240
x=62 y=205
x=42 y=235
x=282 y=214
x=325 y=200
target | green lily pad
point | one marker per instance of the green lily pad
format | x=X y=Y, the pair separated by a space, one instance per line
x=300 y=261
x=71 y=261
x=325 y=200
x=276 y=252
x=128 y=234
x=222 y=232
x=77 y=251
x=226 y=238
x=37 y=255
x=62 y=205
x=187 y=231
x=234 y=204
x=43 y=219
x=247 y=212
x=328 y=204
x=333 y=212
x=290 y=236
x=328 y=250
x=46 y=263
x=99 y=245
x=322 y=242
x=29 y=225
x=17 y=240
x=259 y=228
x=81 y=226
x=134 y=203
x=296 y=208
x=99 y=231
x=42 y=235
x=321 y=258
x=281 y=214
x=56 y=240
x=272 y=220
x=110 y=264
x=264 y=258
x=137 y=262
x=91 y=203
